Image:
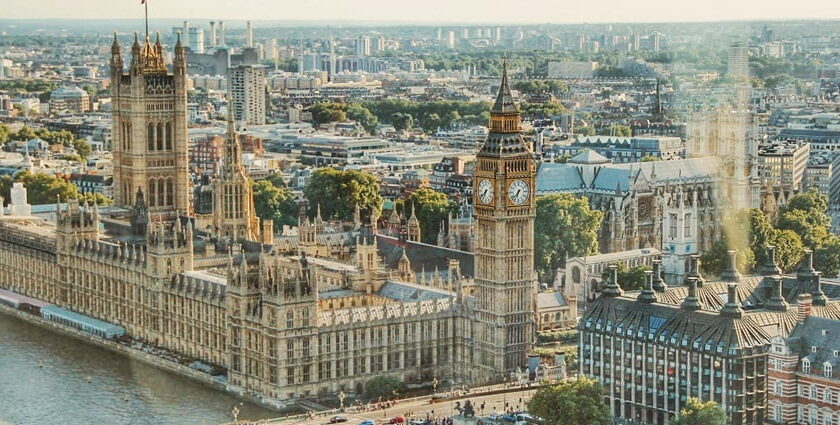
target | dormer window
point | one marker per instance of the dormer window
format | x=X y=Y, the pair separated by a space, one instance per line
x=827 y=370
x=806 y=366
x=836 y=353
x=813 y=348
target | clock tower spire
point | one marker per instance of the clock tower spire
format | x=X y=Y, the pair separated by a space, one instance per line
x=505 y=209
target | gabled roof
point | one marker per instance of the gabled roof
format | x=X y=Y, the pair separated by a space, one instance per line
x=588 y=156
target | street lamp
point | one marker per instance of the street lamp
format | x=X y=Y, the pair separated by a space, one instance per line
x=235 y=413
x=341 y=397
x=434 y=385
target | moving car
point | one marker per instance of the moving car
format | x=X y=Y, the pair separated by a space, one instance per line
x=337 y=419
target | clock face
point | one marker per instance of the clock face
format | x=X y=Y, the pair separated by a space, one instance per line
x=485 y=191
x=518 y=192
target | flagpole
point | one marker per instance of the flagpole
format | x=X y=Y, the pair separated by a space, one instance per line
x=146 y=6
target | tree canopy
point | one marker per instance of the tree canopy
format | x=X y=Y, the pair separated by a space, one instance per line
x=337 y=193
x=701 y=413
x=567 y=226
x=40 y=188
x=571 y=403
x=431 y=208
x=382 y=387
x=275 y=202
x=630 y=279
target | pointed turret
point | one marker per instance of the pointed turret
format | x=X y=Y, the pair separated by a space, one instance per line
x=504 y=99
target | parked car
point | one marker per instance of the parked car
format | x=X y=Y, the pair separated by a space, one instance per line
x=397 y=420
x=337 y=419
x=367 y=422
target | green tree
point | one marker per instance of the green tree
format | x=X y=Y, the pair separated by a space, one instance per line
x=714 y=261
x=567 y=226
x=805 y=214
x=276 y=203
x=620 y=130
x=83 y=148
x=276 y=179
x=363 y=116
x=40 y=188
x=789 y=248
x=402 y=121
x=827 y=257
x=431 y=208
x=4 y=134
x=337 y=192
x=96 y=198
x=700 y=413
x=585 y=131
x=571 y=403
x=382 y=387
x=327 y=112
x=630 y=279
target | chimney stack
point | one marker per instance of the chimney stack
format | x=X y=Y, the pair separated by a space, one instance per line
x=222 y=34
x=803 y=307
x=658 y=284
x=250 y=34
x=776 y=302
x=732 y=308
x=694 y=271
x=731 y=273
x=691 y=303
x=769 y=267
x=647 y=295
x=612 y=289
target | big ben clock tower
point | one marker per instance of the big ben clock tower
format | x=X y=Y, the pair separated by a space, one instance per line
x=505 y=208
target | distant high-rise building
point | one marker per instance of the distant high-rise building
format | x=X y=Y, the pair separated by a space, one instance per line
x=439 y=34
x=196 y=39
x=379 y=44
x=655 y=41
x=637 y=42
x=465 y=33
x=271 y=49
x=737 y=65
x=498 y=34
x=213 y=34
x=247 y=88
x=450 y=40
x=363 y=46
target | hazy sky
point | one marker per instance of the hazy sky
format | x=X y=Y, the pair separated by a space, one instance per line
x=536 y=11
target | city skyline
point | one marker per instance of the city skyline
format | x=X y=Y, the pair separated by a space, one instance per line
x=466 y=11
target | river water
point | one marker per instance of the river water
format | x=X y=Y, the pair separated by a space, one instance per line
x=50 y=379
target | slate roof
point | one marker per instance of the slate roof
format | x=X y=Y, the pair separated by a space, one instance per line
x=547 y=300
x=408 y=292
x=588 y=156
x=424 y=256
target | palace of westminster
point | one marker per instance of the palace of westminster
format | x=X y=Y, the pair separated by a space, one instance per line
x=322 y=312
x=293 y=316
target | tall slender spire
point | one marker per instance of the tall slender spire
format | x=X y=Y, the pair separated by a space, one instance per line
x=504 y=99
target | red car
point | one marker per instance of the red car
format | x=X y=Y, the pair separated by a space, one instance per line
x=397 y=420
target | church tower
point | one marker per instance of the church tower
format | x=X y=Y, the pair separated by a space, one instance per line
x=149 y=133
x=233 y=199
x=505 y=209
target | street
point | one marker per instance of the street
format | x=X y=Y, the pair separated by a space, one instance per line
x=484 y=402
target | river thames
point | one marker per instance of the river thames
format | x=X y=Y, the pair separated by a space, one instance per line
x=50 y=379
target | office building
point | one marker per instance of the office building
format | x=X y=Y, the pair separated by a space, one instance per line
x=248 y=93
